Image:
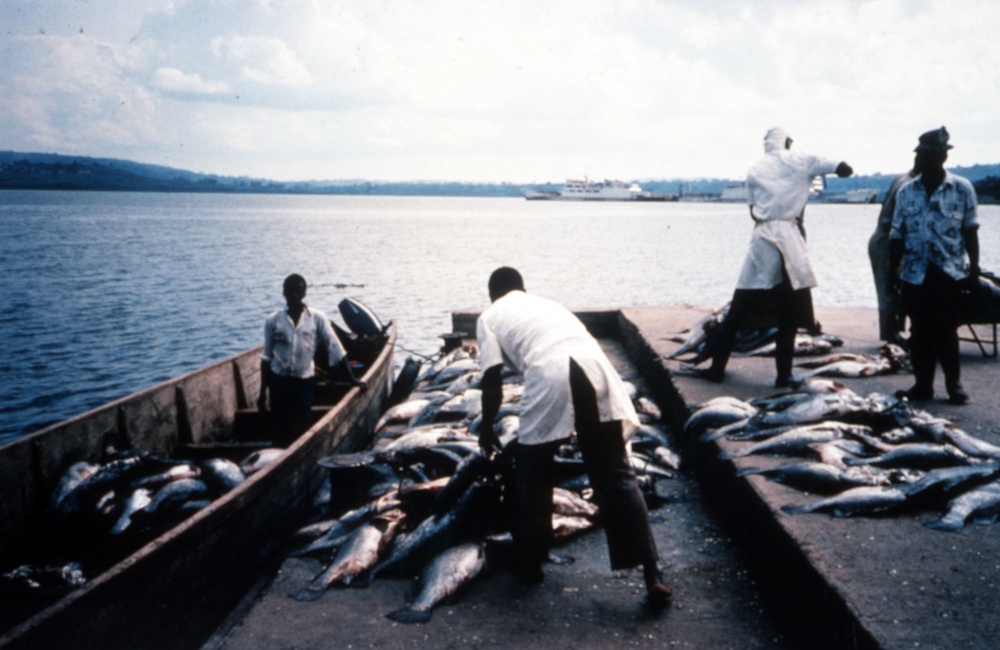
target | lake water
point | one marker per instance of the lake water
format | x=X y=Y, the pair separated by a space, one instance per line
x=105 y=294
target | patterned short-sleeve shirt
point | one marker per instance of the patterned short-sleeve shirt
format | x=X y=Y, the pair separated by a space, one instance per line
x=932 y=228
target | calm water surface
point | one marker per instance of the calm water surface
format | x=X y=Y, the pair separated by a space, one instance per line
x=109 y=293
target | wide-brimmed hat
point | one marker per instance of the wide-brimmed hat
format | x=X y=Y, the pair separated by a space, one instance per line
x=936 y=140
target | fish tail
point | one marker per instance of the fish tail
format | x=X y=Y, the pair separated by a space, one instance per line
x=946 y=525
x=796 y=509
x=408 y=616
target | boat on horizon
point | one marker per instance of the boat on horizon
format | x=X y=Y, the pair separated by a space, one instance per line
x=588 y=190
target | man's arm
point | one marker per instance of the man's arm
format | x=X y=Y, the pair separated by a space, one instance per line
x=491 y=385
x=971 y=236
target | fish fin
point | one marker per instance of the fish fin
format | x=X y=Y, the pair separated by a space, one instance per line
x=408 y=616
x=363 y=581
x=307 y=594
x=942 y=524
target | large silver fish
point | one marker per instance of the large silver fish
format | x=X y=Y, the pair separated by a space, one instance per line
x=859 y=500
x=817 y=408
x=950 y=480
x=138 y=500
x=811 y=476
x=982 y=502
x=797 y=440
x=358 y=554
x=921 y=455
x=443 y=577
x=944 y=431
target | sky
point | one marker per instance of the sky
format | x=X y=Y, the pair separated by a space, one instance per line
x=520 y=91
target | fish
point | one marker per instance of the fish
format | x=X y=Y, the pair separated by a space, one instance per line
x=851 y=369
x=37 y=577
x=437 y=531
x=796 y=440
x=946 y=481
x=647 y=407
x=564 y=527
x=138 y=500
x=175 y=493
x=424 y=437
x=916 y=455
x=836 y=452
x=697 y=335
x=811 y=476
x=358 y=554
x=464 y=382
x=943 y=431
x=444 y=576
x=859 y=500
x=401 y=412
x=175 y=473
x=715 y=414
x=805 y=345
x=260 y=459
x=818 y=407
x=341 y=528
x=644 y=465
x=71 y=479
x=980 y=503
x=570 y=504
x=221 y=474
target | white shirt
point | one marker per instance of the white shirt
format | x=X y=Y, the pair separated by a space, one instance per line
x=777 y=191
x=290 y=348
x=537 y=337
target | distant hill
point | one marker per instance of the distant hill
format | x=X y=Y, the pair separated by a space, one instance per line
x=47 y=171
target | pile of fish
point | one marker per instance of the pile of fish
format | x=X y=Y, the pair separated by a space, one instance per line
x=749 y=341
x=862 y=455
x=425 y=501
x=100 y=512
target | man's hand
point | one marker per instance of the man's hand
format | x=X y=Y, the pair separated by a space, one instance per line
x=489 y=443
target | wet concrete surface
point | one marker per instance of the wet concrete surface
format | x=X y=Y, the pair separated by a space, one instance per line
x=745 y=574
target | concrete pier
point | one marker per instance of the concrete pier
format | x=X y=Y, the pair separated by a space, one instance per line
x=746 y=575
x=886 y=582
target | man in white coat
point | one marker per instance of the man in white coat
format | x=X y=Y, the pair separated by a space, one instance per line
x=568 y=384
x=777 y=275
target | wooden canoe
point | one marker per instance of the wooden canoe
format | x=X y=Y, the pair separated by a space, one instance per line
x=174 y=591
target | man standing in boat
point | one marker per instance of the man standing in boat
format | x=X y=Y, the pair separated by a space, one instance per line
x=777 y=275
x=568 y=384
x=287 y=371
x=934 y=227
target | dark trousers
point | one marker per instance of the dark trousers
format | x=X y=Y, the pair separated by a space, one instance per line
x=616 y=491
x=933 y=311
x=291 y=407
x=789 y=306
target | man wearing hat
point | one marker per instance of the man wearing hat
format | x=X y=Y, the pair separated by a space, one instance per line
x=934 y=228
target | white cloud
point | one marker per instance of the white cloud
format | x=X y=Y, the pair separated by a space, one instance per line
x=515 y=91
x=176 y=81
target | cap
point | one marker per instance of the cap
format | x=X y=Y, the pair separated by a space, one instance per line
x=936 y=140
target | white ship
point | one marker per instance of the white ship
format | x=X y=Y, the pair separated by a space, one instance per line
x=587 y=190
